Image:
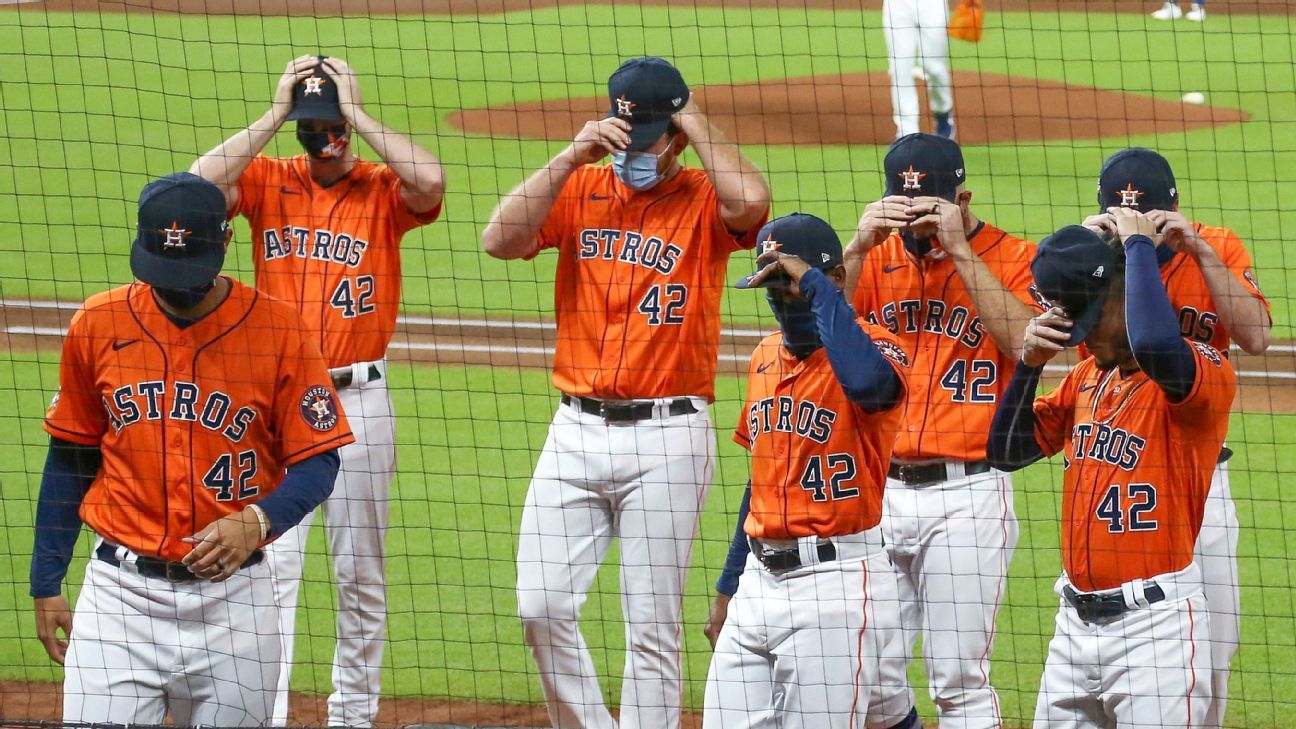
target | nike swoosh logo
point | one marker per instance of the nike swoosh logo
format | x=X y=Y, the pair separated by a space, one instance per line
x=892 y=269
x=596 y=196
x=764 y=367
x=1086 y=388
x=122 y=344
x=285 y=190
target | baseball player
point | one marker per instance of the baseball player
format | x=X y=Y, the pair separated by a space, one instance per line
x=1140 y=422
x=1170 y=10
x=326 y=232
x=182 y=400
x=810 y=627
x=916 y=35
x=1207 y=273
x=955 y=292
x=642 y=246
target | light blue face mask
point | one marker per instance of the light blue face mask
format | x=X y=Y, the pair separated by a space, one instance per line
x=638 y=170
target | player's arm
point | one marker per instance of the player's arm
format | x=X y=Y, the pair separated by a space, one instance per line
x=70 y=468
x=1241 y=312
x=422 y=177
x=1015 y=433
x=1150 y=319
x=224 y=164
x=515 y=223
x=735 y=562
x=1003 y=315
x=875 y=225
x=742 y=190
x=866 y=375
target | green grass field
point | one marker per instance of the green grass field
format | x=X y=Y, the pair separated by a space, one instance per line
x=91 y=105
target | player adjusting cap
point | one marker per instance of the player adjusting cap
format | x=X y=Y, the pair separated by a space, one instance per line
x=646 y=92
x=316 y=97
x=1074 y=268
x=919 y=165
x=805 y=236
x=180 y=237
x=1137 y=178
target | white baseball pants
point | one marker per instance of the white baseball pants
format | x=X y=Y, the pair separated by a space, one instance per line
x=951 y=543
x=1147 y=668
x=355 y=518
x=141 y=646
x=916 y=34
x=644 y=483
x=1216 y=557
x=810 y=647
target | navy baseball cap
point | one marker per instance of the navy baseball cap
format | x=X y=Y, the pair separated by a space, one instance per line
x=180 y=238
x=646 y=92
x=805 y=236
x=922 y=165
x=1074 y=268
x=316 y=97
x=1137 y=178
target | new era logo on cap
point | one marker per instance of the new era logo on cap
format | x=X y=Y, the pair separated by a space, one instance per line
x=1098 y=272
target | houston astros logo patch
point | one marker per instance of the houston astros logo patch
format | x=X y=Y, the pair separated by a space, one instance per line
x=175 y=236
x=318 y=408
x=1130 y=196
x=769 y=246
x=314 y=85
x=624 y=106
x=912 y=178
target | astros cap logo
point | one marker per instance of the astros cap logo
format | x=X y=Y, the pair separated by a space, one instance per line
x=912 y=178
x=314 y=85
x=1130 y=196
x=175 y=236
x=624 y=106
x=769 y=246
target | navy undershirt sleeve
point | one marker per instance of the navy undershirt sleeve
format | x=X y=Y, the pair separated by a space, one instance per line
x=306 y=485
x=738 y=550
x=1012 y=443
x=1152 y=325
x=69 y=470
x=865 y=374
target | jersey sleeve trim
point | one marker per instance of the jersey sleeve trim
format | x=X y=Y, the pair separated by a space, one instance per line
x=315 y=449
x=72 y=435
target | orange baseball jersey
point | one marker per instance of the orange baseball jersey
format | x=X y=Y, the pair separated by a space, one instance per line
x=1137 y=469
x=333 y=252
x=819 y=461
x=639 y=284
x=1198 y=318
x=196 y=423
x=958 y=373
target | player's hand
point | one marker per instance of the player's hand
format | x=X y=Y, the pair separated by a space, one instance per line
x=1046 y=335
x=1177 y=231
x=1130 y=223
x=879 y=219
x=773 y=262
x=298 y=69
x=598 y=139
x=716 y=620
x=348 y=87
x=947 y=217
x=688 y=115
x=1103 y=224
x=222 y=546
x=52 y=615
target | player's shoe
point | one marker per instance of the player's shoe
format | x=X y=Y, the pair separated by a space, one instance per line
x=1169 y=11
x=945 y=125
x=1197 y=13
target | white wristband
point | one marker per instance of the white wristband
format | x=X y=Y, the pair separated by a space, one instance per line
x=262 y=519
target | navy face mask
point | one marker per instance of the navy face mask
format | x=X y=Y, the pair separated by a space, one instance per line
x=184 y=299
x=917 y=246
x=795 y=318
x=324 y=145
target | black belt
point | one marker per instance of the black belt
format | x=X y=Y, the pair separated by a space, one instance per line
x=629 y=412
x=1094 y=607
x=912 y=474
x=782 y=560
x=344 y=379
x=154 y=567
